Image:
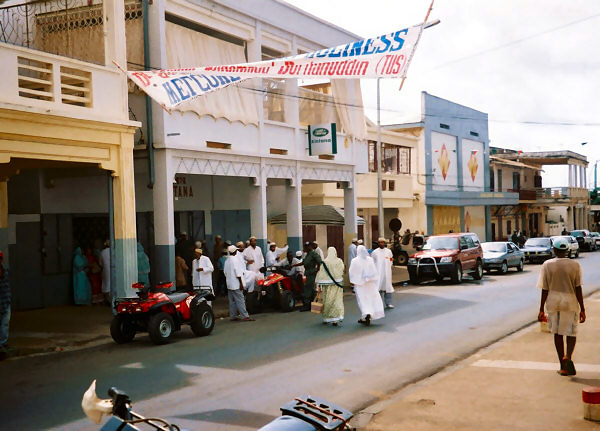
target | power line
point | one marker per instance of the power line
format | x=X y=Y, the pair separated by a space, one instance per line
x=326 y=99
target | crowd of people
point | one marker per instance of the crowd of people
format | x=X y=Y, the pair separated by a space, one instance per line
x=322 y=277
x=91 y=273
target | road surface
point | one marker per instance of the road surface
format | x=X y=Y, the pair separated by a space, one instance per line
x=237 y=378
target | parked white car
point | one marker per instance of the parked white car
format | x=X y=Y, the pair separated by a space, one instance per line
x=573 y=244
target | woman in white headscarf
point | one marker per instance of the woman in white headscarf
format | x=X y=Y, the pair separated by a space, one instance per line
x=365 y=278
x=333 y=295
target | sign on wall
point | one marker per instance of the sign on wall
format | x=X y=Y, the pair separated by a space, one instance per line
x=322 y=139
x=472 y=165
x=443 y=161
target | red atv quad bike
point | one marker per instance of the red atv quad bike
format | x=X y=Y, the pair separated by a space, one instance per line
x=161 y=312
x=276 y=290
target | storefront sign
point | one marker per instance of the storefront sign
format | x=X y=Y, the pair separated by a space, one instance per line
x=322 y=139
x=386 y=56
x=181 y=189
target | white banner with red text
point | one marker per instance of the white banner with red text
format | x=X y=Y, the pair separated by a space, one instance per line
x=386 y=56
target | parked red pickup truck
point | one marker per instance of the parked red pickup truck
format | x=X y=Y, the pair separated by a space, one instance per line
x=449 y=255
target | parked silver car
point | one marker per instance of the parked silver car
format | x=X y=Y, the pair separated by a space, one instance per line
x=538 y=250
x=573 y=244
x=501 y=256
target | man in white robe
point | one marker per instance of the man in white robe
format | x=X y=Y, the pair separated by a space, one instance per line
x=105 y=264
x=234 y=270
x=248 y=277
x=202 y=269
x=363 y=275
x=383 y=258
x=352 y=249
x=275 y=256
x=318 y=250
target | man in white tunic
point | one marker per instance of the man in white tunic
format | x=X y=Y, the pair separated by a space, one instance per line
x=254 y=256
x=202 y=269
x=352 y=249
x=363 y=275
x=234 y=271
x=318 y=250
x=105 y=264
x=383 y=258
x=249 y=277
x=276 y=256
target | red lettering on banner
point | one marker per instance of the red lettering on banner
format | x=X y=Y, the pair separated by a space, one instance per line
x=142 y=77
x=392 y=65
x=289 y=68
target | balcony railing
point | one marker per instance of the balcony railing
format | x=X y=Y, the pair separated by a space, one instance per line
x=562 y=193
x=60 y=85
x=72 y=28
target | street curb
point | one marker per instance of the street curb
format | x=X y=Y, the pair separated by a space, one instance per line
x=362 y=419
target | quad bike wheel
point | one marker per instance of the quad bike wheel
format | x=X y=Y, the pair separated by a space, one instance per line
x=203 y=321
x=252 y=303
x=122 y=329
x=286 y=301
x=160 y=328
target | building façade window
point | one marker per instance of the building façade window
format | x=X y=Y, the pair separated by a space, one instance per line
x=396 y=159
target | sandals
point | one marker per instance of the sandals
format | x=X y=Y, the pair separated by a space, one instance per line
x=366 y=321
x=567 y=367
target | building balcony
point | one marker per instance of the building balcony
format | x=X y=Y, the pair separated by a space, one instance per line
x=561 y=194
x=41 y=82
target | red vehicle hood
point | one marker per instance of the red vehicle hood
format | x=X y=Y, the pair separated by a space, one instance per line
x=435 y=253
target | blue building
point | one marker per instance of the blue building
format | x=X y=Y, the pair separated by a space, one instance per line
x=453 y=177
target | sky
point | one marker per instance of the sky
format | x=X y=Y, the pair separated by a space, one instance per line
x=531 y=65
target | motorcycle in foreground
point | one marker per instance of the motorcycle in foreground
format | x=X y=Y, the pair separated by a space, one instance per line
x=305 y=413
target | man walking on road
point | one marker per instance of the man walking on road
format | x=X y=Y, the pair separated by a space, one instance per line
x=560 y=281
x=383 y=258
x=312 y=264
x=234 y=273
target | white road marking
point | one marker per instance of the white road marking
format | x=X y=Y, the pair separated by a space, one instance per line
x=134 y=365
x=531 y=365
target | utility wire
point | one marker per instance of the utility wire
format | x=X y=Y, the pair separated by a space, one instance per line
x=326 y=99
x=515 y=42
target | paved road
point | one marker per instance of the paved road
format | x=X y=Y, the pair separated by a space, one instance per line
x=237 y=378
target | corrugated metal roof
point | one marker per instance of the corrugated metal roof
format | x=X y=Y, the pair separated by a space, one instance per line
x=318 y=214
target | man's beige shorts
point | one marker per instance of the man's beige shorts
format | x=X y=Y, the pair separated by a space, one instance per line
x=563 y=322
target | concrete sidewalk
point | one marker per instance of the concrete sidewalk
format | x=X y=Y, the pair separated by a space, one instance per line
x=511 y=385
x=70 y=327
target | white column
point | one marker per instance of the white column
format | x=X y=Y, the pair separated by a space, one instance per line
x=164 y=225
x=585 y=177
x=570 y=175
x=581 y=176
x=258 y=211
x=115 y=48
x=294 y=215
x=350 y=228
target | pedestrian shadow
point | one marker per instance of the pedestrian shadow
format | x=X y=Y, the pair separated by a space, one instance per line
x=231 y=417
x=587 y=382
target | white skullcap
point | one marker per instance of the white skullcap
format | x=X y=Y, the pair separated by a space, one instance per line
x=298 y=253
x=231 y=249
x=198 y=250
x=360 y=241
x=381 y=239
